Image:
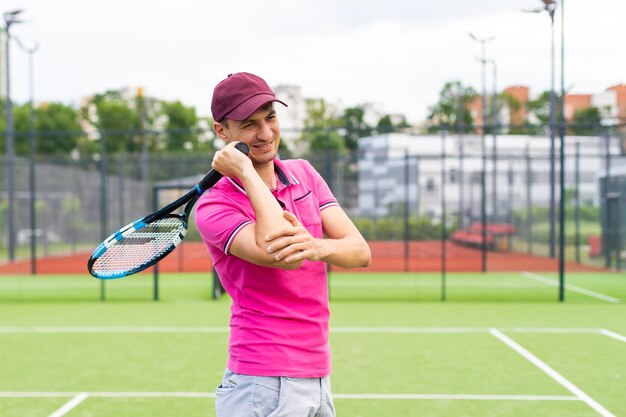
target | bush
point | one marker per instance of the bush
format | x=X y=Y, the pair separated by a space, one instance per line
x=392 y=228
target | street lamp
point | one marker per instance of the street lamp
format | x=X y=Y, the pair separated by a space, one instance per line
x=483 y=208
x=31 y=140
x=562 y=163
x=549 y=6
x=10 y=18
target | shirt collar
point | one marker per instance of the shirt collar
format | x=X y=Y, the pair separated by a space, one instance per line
x=285 y=177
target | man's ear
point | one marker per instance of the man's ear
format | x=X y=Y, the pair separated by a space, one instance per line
x=220 y=130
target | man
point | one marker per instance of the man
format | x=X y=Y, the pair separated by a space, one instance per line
x=270 y=227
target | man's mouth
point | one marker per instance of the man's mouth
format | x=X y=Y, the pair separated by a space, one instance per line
x=263 y=146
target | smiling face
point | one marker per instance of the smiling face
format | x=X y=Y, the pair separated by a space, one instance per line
x=261 y=132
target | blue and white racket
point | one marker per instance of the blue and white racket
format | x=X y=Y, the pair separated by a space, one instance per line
x=146 y=241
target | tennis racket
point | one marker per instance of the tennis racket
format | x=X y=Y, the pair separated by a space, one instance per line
x=146 y=241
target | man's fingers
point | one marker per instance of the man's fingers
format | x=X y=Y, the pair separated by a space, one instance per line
x=279 y=233
x=284 y=232
x=280 y=244
x=291 y=218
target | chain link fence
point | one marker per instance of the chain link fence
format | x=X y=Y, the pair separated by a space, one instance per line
x=491 y=195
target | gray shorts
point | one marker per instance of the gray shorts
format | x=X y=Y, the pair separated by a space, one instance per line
x=268 y=396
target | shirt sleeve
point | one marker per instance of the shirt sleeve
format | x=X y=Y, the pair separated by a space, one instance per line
x=219 y=220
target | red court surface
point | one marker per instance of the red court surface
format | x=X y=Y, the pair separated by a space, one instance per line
x=423 y=256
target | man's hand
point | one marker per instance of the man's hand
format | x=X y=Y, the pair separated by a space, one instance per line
x=295 y=243
x=230 y=162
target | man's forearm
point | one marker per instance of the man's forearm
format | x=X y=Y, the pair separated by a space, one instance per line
x=348 y=252
x=269 y=214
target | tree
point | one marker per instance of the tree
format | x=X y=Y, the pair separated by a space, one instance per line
x=540 y=108
x=320 y=132
x=117 y=120
x=352 y=120
x=58 y=128
x=452 y=109
x=181 y=122
x=112 y=115
x=386 y=124
x=587 y=121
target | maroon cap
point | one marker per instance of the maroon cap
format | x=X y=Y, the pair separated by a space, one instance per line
x=239 y=95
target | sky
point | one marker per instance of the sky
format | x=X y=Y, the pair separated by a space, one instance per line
x=396 y=54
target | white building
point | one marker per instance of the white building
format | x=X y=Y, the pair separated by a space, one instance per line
x=394 y=168
x=292 y=117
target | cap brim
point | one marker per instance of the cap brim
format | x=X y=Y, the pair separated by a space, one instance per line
x=248 y=107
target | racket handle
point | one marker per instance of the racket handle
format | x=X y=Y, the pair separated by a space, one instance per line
x=214 y=176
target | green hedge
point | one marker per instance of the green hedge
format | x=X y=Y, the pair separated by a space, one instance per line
x=392 y=228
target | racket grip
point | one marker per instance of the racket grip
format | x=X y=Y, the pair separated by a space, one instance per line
x=214 y=176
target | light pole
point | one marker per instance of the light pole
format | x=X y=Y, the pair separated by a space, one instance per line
x=31 y=161
x=483 y=204
x=10 y=18
x=562 y=163
x=549 y=6
x=494 y=132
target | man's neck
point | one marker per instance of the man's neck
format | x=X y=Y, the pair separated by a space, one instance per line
x=267 y=173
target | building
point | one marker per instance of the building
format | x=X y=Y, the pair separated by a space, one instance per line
x=517 y=115
x=399 y=169
x=611 y=103
x=620 y=91
x=291 y=118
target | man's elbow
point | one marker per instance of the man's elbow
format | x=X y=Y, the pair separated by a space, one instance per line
x=366 y=256
x=362 y=258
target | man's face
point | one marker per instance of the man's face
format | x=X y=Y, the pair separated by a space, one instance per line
x=261 y=132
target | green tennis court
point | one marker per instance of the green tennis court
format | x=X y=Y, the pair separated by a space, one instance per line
x=397 y=350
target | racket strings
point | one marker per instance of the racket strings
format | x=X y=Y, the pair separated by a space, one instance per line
x=141 y=247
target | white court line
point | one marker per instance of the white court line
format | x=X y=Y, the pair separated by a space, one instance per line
x=105 y=394
x=409 y=330
x=417 y=284
x=70 y=405
x=552 y=373
x=472 y=397
x=113 y=329
x=30 y=285
x=366 y=330
x=573 y=288
x=613 y=335
x=566 y=330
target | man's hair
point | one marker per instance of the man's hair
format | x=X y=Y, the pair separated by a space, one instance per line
x=225 y=120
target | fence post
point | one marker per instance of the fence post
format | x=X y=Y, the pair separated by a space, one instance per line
x=606 y=241
x=510 y=182
x=443 y=215
x=577 y=200
x=155 y=206
x=461 y=120
x=32 y=194
x=406 y=210
x=529 y=217
x=483 y=203
x=103 y=200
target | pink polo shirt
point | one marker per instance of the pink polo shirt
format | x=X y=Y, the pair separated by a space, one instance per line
x=279 y=319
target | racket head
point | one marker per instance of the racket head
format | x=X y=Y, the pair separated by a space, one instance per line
x=137 y=246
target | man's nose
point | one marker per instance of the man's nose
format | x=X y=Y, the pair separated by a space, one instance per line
x=265 y=132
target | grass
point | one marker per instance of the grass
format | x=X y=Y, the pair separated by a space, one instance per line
x=393 y=354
